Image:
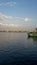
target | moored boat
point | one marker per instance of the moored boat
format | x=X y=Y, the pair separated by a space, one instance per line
x=33 y=34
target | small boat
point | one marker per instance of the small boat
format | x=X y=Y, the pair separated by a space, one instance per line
x=33 y=34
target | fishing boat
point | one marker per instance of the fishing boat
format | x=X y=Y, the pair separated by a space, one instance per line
x=33 y=34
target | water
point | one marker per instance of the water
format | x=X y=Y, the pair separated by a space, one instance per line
x=17 y=49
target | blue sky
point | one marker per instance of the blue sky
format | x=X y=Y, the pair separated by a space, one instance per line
x=20 y=12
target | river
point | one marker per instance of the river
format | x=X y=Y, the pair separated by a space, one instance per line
x=17 y=49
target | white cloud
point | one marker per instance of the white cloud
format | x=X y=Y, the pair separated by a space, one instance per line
x=5 y=18
x=2 y=24
x=19 y=18
x=9 y=25
x=7 y=3
x=13 y=25
x=27 y=19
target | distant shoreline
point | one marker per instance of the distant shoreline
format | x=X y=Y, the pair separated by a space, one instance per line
x=18 y=31
x=14 y=31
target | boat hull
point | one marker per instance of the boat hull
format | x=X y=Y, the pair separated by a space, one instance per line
x=32 y=34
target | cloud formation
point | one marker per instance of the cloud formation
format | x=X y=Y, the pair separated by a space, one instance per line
x=4 y=17
x=27 y=19
x=9 y=25
x=7 y=3
x=13 y=25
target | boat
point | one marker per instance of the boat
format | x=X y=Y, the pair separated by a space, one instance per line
x=33 y=34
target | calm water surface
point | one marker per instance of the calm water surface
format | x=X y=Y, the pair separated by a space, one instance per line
x=17 y=49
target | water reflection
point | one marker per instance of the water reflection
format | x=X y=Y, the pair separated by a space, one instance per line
x=34 y=38
x=14 y=40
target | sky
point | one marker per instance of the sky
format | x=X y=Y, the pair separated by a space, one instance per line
x=18 y=14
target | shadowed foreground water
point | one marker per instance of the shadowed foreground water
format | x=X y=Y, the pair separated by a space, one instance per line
x=17 y=49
